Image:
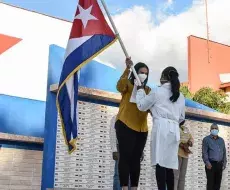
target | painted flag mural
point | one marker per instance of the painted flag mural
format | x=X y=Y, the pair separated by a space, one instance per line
x=90 y=35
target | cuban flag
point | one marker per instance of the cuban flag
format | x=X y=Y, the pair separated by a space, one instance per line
x=90 y=35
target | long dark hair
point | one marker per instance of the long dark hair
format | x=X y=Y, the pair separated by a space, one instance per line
x=137 y=67
x=171 y=75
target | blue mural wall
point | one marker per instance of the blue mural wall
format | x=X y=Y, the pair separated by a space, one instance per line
x=22 y=116
x=99 y=76
x=50 y=129
x=30 y=120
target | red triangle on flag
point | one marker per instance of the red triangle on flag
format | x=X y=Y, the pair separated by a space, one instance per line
x=6 y=42
x=89 y=20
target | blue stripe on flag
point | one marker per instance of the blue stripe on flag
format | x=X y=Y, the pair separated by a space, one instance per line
x=76 y=59
x=84 y=52
x=75 y=119
x=63 y=99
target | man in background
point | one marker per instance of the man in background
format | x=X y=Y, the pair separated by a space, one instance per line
x=214 y=157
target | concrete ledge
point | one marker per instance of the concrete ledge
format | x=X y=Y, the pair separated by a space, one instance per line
x=216 y=116
x=20 y=138
x=93 y=93
x=115 y=98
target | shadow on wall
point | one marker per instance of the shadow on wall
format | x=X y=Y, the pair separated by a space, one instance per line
x=22 y=116
x=99 y=76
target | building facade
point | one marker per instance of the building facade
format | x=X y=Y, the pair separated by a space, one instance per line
x=208 y=65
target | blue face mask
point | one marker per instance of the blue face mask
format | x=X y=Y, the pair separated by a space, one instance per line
x=214 y=132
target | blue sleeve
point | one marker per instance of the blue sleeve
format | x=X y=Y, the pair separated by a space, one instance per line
x=225 y=156
x=205 y=151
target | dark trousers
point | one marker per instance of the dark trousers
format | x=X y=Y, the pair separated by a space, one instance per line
x=214 y=176
x=164 y=177
x=131 y=145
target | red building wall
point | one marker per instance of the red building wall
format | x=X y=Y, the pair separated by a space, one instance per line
x=200 y=72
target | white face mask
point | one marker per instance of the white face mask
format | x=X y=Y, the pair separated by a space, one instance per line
x=142 y=77
x=214 y=132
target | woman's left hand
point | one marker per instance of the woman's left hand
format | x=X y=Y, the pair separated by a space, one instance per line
x=129 y=62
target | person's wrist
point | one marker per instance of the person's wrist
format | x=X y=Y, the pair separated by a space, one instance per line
x=127 y=69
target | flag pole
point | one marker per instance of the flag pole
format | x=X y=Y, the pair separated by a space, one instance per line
x=120 y=40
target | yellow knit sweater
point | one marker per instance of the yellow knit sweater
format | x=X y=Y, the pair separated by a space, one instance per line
x=128 y=112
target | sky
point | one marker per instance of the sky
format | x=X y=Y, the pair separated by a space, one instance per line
x=159 y=34
x=65 y=9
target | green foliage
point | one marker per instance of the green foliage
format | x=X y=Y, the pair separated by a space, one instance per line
x=186 y=92
x=207 y=96
x=213 y=99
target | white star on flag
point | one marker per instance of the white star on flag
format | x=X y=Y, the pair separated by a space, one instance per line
x=85 y=15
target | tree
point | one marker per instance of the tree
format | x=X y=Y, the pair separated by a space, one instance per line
x=213 y=99
x=186 y=92
x=207 y=96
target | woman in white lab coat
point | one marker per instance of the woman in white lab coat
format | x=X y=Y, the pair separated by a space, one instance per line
x=167 y=106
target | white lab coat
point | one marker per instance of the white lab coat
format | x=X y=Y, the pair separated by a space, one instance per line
x=166 y=115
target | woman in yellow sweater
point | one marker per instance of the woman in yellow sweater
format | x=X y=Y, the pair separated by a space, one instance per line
x=131 y=126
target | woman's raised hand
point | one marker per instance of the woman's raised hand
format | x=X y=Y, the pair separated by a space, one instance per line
x=128 y=62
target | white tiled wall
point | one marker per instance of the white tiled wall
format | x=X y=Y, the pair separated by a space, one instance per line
x=196 y=178
x=92 y=167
